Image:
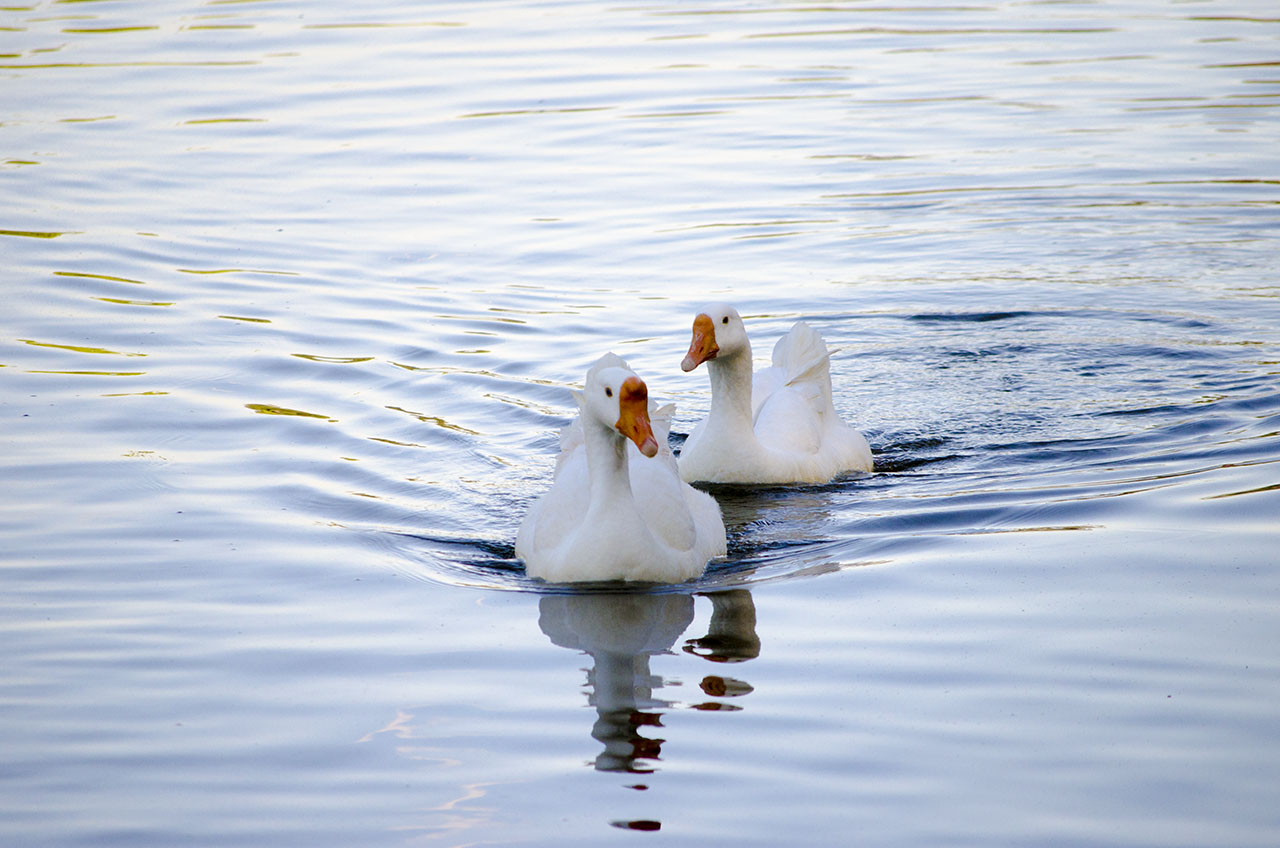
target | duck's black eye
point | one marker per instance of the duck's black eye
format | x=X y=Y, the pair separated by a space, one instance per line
x=724 y=320
x=608 y=391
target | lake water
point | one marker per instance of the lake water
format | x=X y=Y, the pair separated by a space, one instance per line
x=294 y=295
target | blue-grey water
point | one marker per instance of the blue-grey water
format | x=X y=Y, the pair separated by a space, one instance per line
x=293 y=297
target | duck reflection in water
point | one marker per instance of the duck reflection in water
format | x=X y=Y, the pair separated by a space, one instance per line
x=620 y=632
x=731 y=635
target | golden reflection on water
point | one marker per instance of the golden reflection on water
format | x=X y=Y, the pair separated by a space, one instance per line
x=36 y=66
x=436 y=420
x=35 y=233
x=107 y=277
x=237 y=271
x=88 y=373
x=336 y=360
x=386 y=25
x=202 y=121
x=395 y=442
x=107 y=30
x=270 y=409
x=123 y=302
x=78 y=348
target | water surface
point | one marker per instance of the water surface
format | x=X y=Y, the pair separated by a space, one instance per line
x=295 y=295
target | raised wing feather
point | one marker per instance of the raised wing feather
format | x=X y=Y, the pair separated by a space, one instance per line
x=790 y=399
x=803 y=357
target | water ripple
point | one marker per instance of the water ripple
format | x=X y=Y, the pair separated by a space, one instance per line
x=360 y=256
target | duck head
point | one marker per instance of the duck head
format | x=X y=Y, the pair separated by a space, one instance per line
x=617 y=397
x=717 y=331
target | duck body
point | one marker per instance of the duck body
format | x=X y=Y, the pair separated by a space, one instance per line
x=617 y=508
x=777 y=425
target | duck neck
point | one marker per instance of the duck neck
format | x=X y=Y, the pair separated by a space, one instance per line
x=731 y=394
x=607 y=465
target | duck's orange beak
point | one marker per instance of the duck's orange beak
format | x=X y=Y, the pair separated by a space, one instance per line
x=703 y=346
x=633 y=415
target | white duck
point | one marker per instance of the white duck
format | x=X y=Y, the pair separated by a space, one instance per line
x=617 y=511
x=778 y=426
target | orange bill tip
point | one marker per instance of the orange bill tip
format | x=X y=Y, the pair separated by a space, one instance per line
x=633 y=415
x=703 y=346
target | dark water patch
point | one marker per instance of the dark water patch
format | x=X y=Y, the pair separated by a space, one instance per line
x=489 y=551
x=1197 y=427
x=936 y=518
x=893 y=462
x=1266 y=400
x=1143 y=412
x=456 y=560
x=1179 y=322
x=1020 y=457
x=897 y=451
x=969 y=317
x=746 y=550
x=743 y=493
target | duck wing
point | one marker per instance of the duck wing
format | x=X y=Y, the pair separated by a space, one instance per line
x=802 y=356
x=790 y=398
